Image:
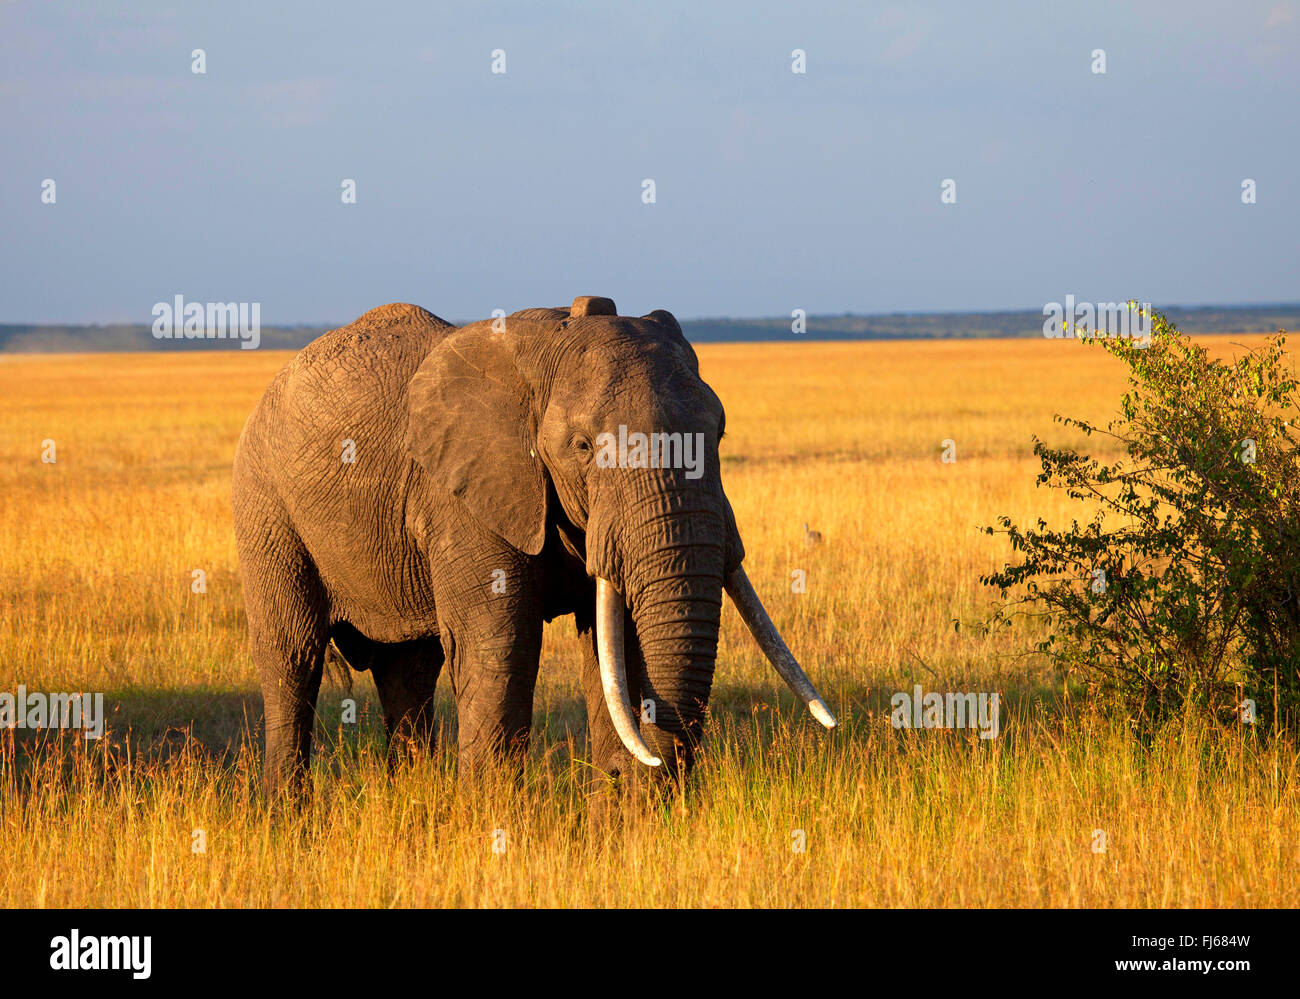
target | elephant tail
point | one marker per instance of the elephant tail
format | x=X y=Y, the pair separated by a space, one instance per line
x=338 y=668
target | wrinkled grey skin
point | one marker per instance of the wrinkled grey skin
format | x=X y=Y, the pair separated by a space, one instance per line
x=474 y=452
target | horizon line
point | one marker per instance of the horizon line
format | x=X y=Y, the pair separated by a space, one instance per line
x=1038 y=310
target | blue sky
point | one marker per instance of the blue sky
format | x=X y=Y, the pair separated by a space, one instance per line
x=774 y=190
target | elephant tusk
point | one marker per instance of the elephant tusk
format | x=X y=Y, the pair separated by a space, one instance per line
x=773 y=645
x=613 y=671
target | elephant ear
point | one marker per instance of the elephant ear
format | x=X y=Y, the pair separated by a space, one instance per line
x=469 y=427
x=667 y=321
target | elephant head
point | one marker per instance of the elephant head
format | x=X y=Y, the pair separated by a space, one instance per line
x=606 y=416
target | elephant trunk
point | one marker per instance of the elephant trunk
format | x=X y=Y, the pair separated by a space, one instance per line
x=676 y=617
x=671 y=557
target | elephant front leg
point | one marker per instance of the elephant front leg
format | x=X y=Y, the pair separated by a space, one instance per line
x=491 y=626
x=494 y=702
x=494 y=705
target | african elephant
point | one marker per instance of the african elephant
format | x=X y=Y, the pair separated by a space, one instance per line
x=421 y=494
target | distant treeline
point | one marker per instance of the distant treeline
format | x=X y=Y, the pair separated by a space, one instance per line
x=954 y=325
x=38 y=339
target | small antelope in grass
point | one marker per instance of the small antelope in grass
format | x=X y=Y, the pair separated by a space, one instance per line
x=810 y=537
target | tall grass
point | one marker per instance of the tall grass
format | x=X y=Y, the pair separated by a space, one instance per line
x=96 y=555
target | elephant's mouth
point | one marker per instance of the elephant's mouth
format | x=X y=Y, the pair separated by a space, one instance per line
x=613 y=662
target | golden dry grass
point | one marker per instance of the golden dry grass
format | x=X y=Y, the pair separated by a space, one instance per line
x=96 y=553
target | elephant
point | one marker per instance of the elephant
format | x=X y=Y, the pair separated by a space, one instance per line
x=421 y=495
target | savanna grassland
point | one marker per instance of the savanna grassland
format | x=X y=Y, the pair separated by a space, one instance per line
x=97 y=552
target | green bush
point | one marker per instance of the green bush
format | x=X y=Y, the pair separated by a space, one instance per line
x=1182 y=592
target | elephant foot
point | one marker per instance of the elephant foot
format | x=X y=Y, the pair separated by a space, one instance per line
x=289 y=797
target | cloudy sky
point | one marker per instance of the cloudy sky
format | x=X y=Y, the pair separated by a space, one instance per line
x=774 y=190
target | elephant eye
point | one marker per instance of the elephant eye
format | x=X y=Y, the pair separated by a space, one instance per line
x=580 y=443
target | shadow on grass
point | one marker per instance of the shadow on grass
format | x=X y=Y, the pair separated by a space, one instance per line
x=159 y=727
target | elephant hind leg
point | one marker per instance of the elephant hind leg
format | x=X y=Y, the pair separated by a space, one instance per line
x=406 y=675
x=288 y=626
